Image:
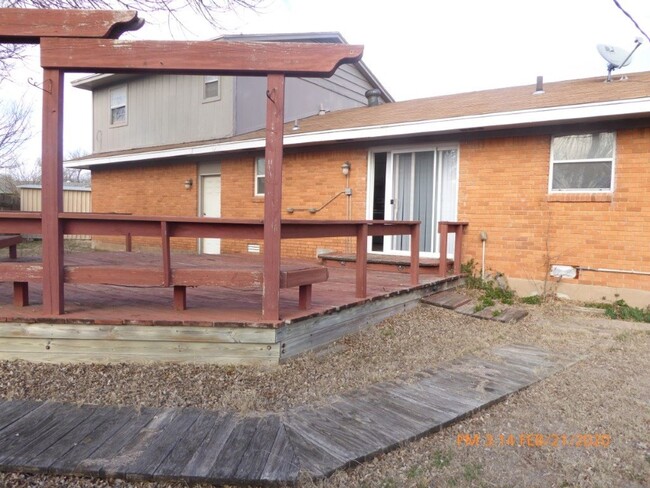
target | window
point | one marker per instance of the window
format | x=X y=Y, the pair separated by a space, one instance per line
x=583 y=163
x=118 y=105
x=211 y=87
x=259 y=176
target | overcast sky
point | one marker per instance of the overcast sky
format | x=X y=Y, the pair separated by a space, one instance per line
x=417 y=48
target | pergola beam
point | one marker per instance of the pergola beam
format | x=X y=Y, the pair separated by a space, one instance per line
x=197 y=57
x=28 y=26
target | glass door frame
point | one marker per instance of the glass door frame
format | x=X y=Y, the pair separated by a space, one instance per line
x=388 y=191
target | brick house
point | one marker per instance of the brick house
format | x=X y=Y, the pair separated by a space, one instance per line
x=555 y=176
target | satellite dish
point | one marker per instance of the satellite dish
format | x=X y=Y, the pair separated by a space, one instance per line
x=616 y=57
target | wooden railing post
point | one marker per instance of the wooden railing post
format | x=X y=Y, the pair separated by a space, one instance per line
x=415 y=254
x=458 y=249
x=362 y=261
x=166 y=253
x=52 y=191
x=273 y=196
x=443 y=228
x=128 y=242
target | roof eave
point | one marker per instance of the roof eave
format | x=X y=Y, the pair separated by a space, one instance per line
x=453 y=125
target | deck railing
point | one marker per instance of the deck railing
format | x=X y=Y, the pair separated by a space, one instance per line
x=200 y=227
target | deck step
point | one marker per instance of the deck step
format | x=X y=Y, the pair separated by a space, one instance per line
x=447 y=299
x=465 y=305
x=384 y=262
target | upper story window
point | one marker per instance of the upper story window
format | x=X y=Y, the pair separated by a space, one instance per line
x=259 y=176
x=211 y=88
x=118 y=105
x=583 y=163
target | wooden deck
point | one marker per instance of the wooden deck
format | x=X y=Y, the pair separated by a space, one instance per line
x=222 y=447
x=222 y=324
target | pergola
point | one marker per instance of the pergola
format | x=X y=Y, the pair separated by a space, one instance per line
x=87 y=41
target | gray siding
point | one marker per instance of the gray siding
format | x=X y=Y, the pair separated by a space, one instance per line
x=304 y=96
x=163 y=109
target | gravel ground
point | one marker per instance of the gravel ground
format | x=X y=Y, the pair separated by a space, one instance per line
x=606 y=393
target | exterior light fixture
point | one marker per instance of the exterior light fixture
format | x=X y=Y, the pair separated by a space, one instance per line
x=345 y=168
x=188 y=184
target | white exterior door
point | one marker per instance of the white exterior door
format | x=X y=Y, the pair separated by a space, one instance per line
x=211 y=207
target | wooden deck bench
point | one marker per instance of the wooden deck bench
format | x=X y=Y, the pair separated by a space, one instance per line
x=147 y=272
x=11 y=241
x=291 y=276
x=21 y=288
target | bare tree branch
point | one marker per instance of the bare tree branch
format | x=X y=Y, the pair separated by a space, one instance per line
x=14 y=131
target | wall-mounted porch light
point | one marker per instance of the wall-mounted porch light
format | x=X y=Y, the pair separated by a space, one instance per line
x=188 y=184
x=345 y=168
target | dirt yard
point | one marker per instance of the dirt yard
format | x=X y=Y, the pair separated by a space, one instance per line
x=605 y=395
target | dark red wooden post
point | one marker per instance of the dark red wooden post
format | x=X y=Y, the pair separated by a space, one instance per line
x=362 y=261
x=458 y=249
x=52 y=193
x=443 y=228
x=415 y=254
x=166 y=253
x=273 y=196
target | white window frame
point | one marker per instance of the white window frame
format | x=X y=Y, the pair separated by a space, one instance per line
x=211 y=79
x=113 y=106
x=553 y=162
x=259 y=176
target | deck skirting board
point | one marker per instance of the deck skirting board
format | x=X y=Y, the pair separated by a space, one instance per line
x=85 y=343
x=317 y=332
x=59 y=343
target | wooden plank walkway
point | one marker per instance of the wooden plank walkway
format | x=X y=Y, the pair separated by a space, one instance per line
x=223 y=447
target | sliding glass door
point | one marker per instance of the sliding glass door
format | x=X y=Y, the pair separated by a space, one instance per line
x=418 y=185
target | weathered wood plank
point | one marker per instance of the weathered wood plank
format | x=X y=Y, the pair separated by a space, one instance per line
x=154 y=443
x=282 y=464
x=197 y=57
x=256 y=455
x=64 y=421
x=102 y=460
x=13 y=410
x=447 y=299
x=336 y=430
x=226 y=463
x=390 y=423
x=28 y=25
x=316 y=332
x=237 y=335
x=204 y=457
x=116 y=420
x=189 y=442
x=113 y=358
x=58 y=450
x=35 y=423
x=418 y=405
x=313 y=458
x=135 y=349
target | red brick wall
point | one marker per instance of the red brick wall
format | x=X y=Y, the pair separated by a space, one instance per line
x=504 y=191
x=309 y=180
x=145 y=190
